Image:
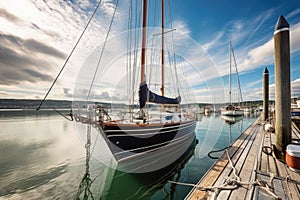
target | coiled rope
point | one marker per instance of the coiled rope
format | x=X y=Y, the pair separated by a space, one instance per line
x=233 y=183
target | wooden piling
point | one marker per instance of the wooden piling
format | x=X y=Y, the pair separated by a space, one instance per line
x=266 y=94
x=282 y=85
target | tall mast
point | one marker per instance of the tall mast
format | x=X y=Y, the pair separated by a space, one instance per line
x=230 y=72
x=162 y=49
x=143 y=59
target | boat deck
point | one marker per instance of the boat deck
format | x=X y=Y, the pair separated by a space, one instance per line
x=251 y=172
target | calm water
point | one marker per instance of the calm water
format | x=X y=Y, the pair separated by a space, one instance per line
x=43 y=156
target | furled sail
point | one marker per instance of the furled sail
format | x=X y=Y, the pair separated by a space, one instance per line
x=146 y=95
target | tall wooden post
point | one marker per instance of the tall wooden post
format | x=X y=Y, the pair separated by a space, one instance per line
x=282 y=85
x=266 y=94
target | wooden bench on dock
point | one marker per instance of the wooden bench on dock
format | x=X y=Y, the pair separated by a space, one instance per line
x=251 y=172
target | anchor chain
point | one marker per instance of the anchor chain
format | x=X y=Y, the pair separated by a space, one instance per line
x=86 y=182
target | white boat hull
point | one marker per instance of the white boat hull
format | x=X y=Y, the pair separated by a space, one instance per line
x=232 y=112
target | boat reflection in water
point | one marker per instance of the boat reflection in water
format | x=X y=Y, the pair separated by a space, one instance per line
x=231 y=119
x=230 y=122
x=116 y=184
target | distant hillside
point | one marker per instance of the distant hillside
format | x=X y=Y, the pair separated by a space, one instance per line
x=59 y=104
x=32 y=104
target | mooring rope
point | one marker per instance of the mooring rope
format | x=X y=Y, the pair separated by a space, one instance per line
x=233 y=183
x=215 y=151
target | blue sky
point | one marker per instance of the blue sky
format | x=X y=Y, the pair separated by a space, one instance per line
x=249 y=25
x=37 y=36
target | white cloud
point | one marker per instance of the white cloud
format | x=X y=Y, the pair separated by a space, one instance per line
x=58 y=25
x=251 y=54
x=264 y=54
x=295 y=38
x=54 y=26
x=293 y=13
x=295 y=88
x=258 y=57
x=256 y=93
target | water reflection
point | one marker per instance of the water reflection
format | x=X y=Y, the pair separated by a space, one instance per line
x=231 y=119
x=143 y=186
x=33 y=181
x=121 y=185
x=86 y=181
x=42 y=157
x=38 y=154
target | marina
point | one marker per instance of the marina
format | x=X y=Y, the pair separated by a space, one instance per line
x=263 y=161
x=141 y=104
x=32 y=167
x=248 y=170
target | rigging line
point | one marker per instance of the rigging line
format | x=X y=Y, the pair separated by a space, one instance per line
x=173 y=46
x=165 y=32
x=180 y=86
x=153 y=55
x=102 y=51
x=137 y=22
x=151 y=64
x=230 y=71
x=42 y=102
x=237 y=75
x=173 y=71
x=132 y=53
x=64 y=115
x=132 y=49
x=155 y=14
x=129 y=54
x=134 y=43
x=127 y=62
x=138 y=17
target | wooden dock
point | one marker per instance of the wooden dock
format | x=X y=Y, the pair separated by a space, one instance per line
x=252 y=172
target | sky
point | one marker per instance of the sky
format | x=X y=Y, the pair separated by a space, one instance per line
x=36 y=37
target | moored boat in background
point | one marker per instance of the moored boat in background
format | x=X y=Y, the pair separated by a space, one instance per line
x=230 y=109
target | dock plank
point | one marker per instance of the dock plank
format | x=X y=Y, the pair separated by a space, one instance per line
x=249 y=168
x=281 y=173
x=214 y=173
x=242 y=152
x=283 y=189
x=260 y=193
x=253 y=191
x=251 y=163
x=264 y=167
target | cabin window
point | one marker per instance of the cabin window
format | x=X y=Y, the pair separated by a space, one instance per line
x=168 y=117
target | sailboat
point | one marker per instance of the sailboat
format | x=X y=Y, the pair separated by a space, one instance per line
x=147 y=140
x=230 y=109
